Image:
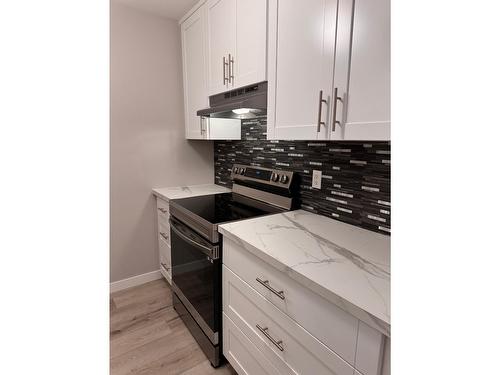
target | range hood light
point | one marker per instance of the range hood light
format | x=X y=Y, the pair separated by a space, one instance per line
x=241 y=111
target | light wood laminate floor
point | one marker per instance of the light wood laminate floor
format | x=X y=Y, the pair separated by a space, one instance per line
x=148 y=337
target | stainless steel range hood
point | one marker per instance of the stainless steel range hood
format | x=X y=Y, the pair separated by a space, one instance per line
x=245 y=102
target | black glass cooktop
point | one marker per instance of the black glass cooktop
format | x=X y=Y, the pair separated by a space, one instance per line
x=220 y=208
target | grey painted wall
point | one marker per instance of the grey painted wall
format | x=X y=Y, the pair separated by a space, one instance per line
x=147 y=147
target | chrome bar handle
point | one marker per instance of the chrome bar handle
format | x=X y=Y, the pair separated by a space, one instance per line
x=164 y=235
x=265 y=283
x=202 y=127
x=162 y=210
x=224 y=64
x=335 y=98
x=212 y=252
x=231 y=69
x=321 y=101
x=265 y=332
x=165 y=266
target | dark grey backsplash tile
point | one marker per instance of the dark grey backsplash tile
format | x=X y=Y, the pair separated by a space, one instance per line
x=355 y=187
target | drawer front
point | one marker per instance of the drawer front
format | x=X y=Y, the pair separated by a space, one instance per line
x=241 y=353
x=370 y=350
x=331 y=325
x=166 y=270
x=163 y=211
x=165 y=257
x=288 y=346
x=164 y=233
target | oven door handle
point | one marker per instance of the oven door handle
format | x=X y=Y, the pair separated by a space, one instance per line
x=212 y=252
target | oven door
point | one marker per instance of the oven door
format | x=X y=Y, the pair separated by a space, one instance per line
x=196 y=277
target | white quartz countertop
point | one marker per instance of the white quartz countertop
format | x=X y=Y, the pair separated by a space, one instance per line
x=347 y=265
x=178 y=192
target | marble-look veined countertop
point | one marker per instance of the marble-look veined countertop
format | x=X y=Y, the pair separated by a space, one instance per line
x=347 y=265
x=189 y=191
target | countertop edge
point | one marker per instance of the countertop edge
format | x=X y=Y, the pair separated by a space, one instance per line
x=366 y=317
x=158 y=194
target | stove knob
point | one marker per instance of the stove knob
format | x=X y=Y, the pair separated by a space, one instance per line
x=235 y=170
x=242 y=170
x=275 y=177
x=284 y=179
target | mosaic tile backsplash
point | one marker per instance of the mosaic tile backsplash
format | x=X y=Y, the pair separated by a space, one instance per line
x=355 y=186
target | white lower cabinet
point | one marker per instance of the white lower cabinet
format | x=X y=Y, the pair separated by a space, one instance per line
x=386 y=363
x=165 y=256
x=334 y=327
x=295 y=330
x=241 y=353
x=165 y=259
x=370 y=350
x=288 y=346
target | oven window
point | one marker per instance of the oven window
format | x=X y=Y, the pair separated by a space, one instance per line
x=197 y=276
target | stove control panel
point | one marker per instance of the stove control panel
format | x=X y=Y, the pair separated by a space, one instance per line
x=267 y=176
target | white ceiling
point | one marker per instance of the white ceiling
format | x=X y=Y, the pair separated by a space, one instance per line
x=173 y=9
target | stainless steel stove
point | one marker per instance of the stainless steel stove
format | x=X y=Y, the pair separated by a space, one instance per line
x=197 y=245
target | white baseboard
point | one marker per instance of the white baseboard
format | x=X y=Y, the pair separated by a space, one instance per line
x=134 y=281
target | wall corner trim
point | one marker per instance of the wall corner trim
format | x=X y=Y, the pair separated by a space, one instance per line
x=134 y=281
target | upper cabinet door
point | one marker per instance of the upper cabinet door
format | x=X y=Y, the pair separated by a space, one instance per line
x=221 y=43
x=194 y=52
x=300 y=68
x=249 y=63
x=367 y=111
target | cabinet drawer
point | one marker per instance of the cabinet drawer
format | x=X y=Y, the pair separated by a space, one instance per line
x=166 y=269
x=241 y=353
x=164 y=249
x=288 y=346
x=369 y=350
x=163 y=211
x=165 y=257
x=164 y=233
x=331 y=325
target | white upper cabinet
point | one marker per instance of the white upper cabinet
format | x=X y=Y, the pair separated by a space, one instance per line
x=250 y=63
x=329 y=70
x=301 y=61
x=221 y=43
x=367 y=115
x=237 y=36
x=194 y=52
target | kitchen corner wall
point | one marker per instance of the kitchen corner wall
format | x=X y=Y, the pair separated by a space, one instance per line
x=355 y=186
x=148 y=147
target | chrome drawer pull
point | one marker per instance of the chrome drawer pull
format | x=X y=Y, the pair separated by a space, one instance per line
x=224 y=64
x=162 y=210
x=335 y=99
x=279 y=293
x=164 y=265
x=231 y=68
x=164 y=235
x=321 y=101
x=266 y=333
